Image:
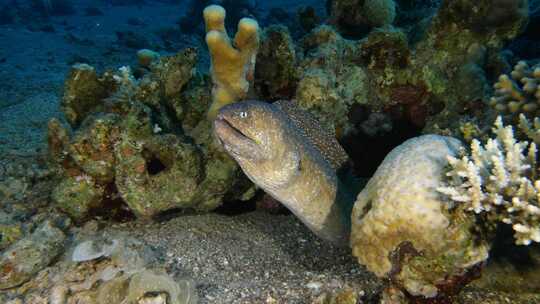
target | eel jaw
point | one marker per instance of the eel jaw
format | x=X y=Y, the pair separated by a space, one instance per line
x=235 y=142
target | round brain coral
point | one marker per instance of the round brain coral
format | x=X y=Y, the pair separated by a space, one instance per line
x=401 y=206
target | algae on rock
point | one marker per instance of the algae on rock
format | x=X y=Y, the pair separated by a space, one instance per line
x=22 y=260
x=432 y=81
x=84 y=91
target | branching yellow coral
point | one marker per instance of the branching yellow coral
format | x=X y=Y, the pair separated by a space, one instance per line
x=499 y=179
x=532 y=131
x=233 y=62
x=519 y=92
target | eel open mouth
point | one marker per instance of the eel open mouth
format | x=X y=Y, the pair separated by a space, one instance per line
x=223 y=126
x=234 y=140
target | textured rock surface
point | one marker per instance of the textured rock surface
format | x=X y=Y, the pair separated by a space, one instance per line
x=275 y=72
x=157 y=174
x=84 y=91
x=21 y=261
x=401 y=205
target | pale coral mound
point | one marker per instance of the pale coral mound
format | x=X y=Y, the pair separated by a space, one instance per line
x=400 y=206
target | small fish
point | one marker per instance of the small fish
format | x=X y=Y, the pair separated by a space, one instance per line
x=285 y=152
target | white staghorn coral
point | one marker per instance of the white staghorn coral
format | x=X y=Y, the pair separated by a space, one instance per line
x=500 y=179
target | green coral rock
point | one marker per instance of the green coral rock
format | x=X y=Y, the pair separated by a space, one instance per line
x=25 y=258
x=77 y=195
x=92 y=147
x=157 y=174
x=275 y=72
x=84 y=91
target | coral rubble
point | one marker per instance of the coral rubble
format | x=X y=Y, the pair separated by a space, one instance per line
x=98 y=270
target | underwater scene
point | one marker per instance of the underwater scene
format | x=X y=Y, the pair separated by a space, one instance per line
x=278 y=151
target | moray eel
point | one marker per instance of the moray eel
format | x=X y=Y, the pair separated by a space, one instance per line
x=286 y=152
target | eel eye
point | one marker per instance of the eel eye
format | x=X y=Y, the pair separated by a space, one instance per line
x=243 y=114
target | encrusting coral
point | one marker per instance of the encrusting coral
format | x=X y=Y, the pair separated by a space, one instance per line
x=429 y=82
x=276 y=70
x=519 y=92
x=233 y=63
x=83 y=91
x=329 y=82
x=499 y=180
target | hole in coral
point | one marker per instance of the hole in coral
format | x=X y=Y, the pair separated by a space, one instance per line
x=367 y=207
x=154 y=165
x=113 y=207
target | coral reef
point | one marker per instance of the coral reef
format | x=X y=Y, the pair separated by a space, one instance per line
x=403 y=230
x=233 y=63
x=431 y=80
x=140 y=142
x=518 y=93
x=329 y=83
x=308 y=18
x=498 y=181
x=275 y=70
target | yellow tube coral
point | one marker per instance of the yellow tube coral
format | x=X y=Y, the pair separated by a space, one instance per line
x=233 y=63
